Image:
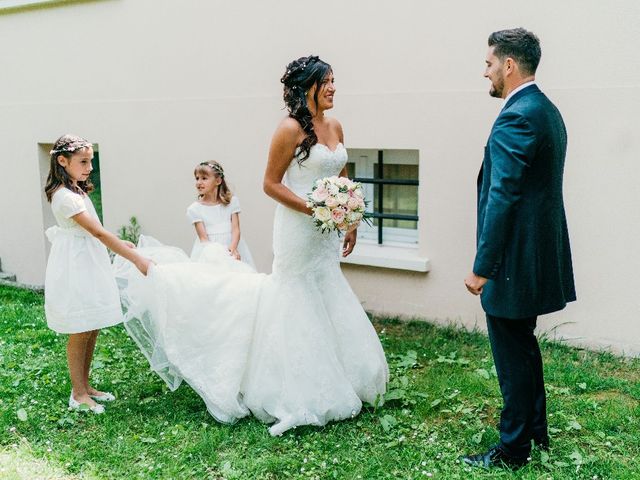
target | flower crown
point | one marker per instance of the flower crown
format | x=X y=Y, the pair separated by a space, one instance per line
x=215 y=167
x=71 y=147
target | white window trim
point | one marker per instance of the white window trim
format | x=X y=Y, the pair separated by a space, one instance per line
x=387 y=256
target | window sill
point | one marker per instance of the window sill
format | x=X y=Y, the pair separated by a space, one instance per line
x=384 y=256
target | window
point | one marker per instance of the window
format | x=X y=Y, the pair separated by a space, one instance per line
x=390 y=182
x=96 y=195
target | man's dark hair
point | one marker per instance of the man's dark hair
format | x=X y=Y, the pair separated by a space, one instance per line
x=521 y=45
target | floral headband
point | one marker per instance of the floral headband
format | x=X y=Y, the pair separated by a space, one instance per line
x=215 y=167
x=71 y=147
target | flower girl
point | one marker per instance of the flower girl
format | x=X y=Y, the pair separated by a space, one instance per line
x=216 y=213
x=81 y=295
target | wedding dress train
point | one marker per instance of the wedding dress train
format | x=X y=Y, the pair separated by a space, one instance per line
x=293 y=348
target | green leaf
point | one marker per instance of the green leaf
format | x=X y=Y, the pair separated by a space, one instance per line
x=574 y=425
x=582 y=386
x=397 y=394
x=227 y=469
x=544 y=457
x=148 y=440
x=477 y=438
x=483 y=373
x=388 y=422
x=436 y=402
x=22 y=415
x=576 y=456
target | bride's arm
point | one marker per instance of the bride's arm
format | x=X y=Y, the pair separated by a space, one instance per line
x=283 y=147
x=350 y=238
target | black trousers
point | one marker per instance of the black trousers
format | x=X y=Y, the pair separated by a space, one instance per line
x=518 y=362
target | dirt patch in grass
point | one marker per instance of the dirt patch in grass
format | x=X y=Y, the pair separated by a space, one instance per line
x=614 y=396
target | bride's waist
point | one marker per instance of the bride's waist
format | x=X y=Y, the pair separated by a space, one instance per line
x=293 y=230
x=301 y=190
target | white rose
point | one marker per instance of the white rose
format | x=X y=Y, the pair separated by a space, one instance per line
x=353 y=217
x=342 y=198
x=322 y=213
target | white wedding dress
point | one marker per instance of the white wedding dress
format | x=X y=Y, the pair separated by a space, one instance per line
x=293 y=348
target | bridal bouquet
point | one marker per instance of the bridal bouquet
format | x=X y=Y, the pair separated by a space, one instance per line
x=337 y=204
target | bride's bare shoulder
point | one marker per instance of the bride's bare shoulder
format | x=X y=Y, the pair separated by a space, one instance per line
x=288 y=131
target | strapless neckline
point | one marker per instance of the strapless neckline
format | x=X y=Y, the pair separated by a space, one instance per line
x=328 y=148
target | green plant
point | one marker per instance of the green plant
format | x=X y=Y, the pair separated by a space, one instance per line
x=130 y=232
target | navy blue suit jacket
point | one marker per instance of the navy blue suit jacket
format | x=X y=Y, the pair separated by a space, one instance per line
x=522 y=238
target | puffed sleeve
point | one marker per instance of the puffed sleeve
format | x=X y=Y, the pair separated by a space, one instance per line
x=67 y=203
x=234 y=205
x=194 y=214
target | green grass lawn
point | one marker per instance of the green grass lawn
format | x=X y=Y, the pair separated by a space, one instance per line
x=445 y=402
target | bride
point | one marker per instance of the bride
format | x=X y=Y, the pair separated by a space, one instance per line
x=294 y=347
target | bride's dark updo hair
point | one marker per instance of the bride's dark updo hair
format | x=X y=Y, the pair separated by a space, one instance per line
x=300 y=76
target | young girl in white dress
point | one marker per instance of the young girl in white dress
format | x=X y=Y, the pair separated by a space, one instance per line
x=216 y=214
x=81 y=295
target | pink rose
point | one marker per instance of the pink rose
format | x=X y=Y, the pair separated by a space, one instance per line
x=320 y=194
x=337 y=215
x=353 y=203
x=331 y=202
x=343 y=181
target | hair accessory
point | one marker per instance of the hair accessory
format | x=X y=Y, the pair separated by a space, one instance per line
x=215 y=167
x=71 y=147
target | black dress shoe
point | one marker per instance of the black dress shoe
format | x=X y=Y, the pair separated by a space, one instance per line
x=542 y=443
x=494 y=457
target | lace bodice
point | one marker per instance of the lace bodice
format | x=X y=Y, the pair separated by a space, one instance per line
x=322 y=162
x=299 y=248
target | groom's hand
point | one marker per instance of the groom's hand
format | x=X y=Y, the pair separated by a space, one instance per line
x=475 y=283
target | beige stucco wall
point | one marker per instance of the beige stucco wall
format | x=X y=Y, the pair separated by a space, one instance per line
x=162 y=85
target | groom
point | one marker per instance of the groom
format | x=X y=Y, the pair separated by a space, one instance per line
x=522 y=267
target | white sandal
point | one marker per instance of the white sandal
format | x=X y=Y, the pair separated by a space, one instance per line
x=76 y=405
x=105 y=397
